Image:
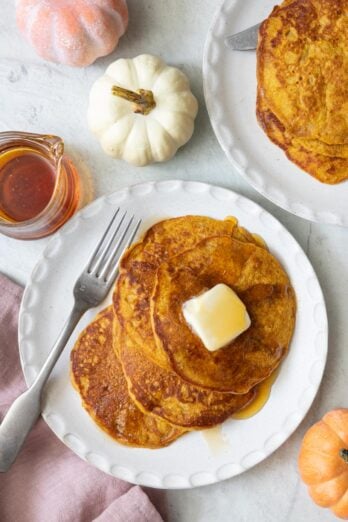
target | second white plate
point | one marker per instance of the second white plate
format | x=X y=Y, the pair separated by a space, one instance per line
x=230 y=93
x=190 y=461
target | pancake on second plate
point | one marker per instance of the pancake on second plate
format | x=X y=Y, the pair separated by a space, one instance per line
x=152 y=383
x=326 y=169
x=302 y=72
x=261 y=283
x=97 y=375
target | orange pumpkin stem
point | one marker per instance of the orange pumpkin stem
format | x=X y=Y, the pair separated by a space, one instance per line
x=344 y=455
x=143 y=100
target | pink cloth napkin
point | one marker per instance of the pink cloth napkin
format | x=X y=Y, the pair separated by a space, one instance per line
x=48 y=483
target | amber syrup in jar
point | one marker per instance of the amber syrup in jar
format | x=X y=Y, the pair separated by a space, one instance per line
x=39 y=185
x=27 y=181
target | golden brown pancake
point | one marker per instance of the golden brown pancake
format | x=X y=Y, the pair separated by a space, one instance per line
x=302 y=72
x=138 y=271
x=152 y=383
x=161 y=392
x=97 y=375
x=261 y=283
x=329 y=170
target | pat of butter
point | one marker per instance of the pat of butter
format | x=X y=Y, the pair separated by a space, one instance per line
x=217 y=316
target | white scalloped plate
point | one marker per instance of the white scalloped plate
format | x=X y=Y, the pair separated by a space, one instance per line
x=189 y=461
x=230 y=94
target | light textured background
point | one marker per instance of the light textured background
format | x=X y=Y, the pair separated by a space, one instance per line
x=42 y=97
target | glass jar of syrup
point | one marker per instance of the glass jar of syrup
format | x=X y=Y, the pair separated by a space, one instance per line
x=39 y=185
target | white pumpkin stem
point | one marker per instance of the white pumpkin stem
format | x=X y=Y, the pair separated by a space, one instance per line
x=344 y=455
x=142 y=99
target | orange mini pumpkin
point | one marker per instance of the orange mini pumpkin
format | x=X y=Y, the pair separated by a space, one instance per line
x=323 y=462
x=74 y=33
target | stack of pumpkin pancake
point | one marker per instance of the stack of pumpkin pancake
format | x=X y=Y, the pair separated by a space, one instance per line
x=143 y=375
x=302 y=74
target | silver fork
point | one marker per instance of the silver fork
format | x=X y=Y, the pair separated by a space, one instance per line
x=90 y=289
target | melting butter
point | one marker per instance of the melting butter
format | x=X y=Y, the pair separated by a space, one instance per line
x=217 y=316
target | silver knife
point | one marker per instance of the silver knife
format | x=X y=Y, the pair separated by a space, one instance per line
x=245 y=40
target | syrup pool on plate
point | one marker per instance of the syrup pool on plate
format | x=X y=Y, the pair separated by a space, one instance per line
x=214 y=436
x=262 y=395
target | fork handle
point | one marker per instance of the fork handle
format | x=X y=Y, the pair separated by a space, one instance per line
x=26 y=409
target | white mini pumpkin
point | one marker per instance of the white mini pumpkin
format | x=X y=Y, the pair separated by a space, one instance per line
x=142 y=110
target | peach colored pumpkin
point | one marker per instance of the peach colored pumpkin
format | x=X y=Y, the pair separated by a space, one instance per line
x=323 y=462
x=72 y=32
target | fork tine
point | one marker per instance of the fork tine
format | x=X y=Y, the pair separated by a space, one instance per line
x=114 y=271
x=108 y=244
x=108 y=261
x=95 y=251
x=113 y=258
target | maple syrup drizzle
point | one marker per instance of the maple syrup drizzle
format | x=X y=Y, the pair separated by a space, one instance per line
x=215 y=440
x=262 y=395
x=214 y=436
x=27 y=181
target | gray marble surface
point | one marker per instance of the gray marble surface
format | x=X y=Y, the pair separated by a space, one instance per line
x=42 y=97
